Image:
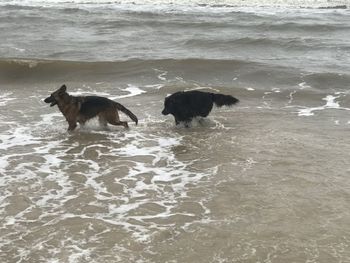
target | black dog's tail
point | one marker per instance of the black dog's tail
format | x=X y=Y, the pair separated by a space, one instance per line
x=221 y=100
x=127 y=112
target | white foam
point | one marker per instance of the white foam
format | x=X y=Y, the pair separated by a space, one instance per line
x=19 y=49
x=53 y=168
x=81 y=92
x=154 y=86
x=304 y=85
x=291 y=96
x=18 y=137
x=162 y=74
x=79 y=253
x=331 y=103
x=164 y=169
x=5 y=98
x=133 y=90
x=202 y=88
x=49 y=118
x=26 y=62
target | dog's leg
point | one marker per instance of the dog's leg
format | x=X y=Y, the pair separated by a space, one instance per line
x=201 y=121
x=123 y=123
x=186 y=122
x=113 y=118
x=72 y=125
x=81 y=120
x=103 y=122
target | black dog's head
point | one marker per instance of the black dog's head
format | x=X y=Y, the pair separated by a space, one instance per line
x=56 y=96
x=168 y=106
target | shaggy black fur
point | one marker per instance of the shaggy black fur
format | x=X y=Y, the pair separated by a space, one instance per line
x=184 y=106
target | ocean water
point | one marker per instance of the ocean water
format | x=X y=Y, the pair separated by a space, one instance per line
x=267 y=180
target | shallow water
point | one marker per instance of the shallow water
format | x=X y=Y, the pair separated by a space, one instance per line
x=256 y=182
x=266 y=180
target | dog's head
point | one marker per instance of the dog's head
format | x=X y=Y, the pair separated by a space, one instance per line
x=168 y=105
x=56 y=96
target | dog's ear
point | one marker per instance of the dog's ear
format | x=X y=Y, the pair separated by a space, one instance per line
x=63 y=88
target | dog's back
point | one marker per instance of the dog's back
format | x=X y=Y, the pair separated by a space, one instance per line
x=92 y=105
x=195 y=103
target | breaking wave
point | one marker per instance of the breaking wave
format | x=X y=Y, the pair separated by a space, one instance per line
x=183 y=3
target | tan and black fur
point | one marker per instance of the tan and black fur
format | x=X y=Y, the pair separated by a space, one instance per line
x=79 y=109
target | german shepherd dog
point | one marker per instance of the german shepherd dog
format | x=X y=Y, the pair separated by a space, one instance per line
x=82 y=108
x=185 y=106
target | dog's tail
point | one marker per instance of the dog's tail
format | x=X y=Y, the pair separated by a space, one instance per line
x=221 y=100
x=127 y=112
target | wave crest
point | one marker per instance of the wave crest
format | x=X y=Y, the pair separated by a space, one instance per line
x=184 y=3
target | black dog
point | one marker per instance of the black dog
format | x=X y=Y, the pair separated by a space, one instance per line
x=184 y=106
